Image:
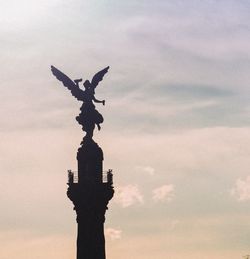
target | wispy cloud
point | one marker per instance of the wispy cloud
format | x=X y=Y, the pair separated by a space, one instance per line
x=177 y=104
x=25 y=244
x=145 y=169
x=113 y=233
x=174 y=223
x=128 y=195
x=163 y=193
x=241 y=190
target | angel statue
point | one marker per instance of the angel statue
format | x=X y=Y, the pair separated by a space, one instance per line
x=89 y=116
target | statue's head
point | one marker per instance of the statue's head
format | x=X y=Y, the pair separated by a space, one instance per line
x=88 y=87
x=87 y=84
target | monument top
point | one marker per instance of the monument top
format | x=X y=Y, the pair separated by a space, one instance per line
x=89 y=116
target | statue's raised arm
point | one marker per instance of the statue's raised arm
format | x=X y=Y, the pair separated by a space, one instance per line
x=73 y=87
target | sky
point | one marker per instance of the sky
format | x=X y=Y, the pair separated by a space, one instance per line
x=176 y=130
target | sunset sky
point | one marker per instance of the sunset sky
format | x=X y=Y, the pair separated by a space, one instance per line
x=176 y=130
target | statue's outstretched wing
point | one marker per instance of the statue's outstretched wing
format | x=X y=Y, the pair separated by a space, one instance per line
x=75 y=90
x=98 y=77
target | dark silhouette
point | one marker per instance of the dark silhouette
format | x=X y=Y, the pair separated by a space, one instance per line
x=89 y=189
x=89 y=116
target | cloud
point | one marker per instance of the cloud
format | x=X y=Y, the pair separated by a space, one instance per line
x=194 y=33
x=179 y=69
x=174 y=224
x=241 y=190
x=146 y=169
x=26 y=245
x=128 y=195
x=113 y=233
x=163 y=193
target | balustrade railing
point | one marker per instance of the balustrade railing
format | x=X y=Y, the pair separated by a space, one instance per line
x=107 y=177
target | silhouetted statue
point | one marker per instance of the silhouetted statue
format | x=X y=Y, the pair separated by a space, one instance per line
x=89 y=116
x=87 y=188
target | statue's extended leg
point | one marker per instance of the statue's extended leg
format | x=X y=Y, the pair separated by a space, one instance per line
x=98 y=126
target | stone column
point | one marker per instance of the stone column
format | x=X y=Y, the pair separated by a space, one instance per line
x=90 y=196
